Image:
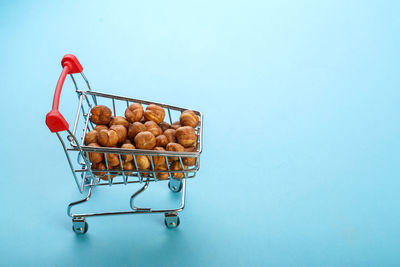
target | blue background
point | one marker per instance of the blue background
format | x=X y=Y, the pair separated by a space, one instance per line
x=301 y=130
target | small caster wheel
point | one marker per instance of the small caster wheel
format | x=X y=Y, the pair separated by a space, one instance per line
x=79 y=226
x=172 y=222
x=175 y=186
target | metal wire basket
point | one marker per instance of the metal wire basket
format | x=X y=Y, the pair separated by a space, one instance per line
x=86 y=177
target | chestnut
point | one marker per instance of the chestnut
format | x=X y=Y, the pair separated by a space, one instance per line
x=154 y=113
x=159 y=160
x=170 y=134
x=100 y=127
x=174 y=147
x=121 y=132
x=176 y=166
x=134 y=112
x=152 y=127
x=95 y=157
x=134 y=129
x=189 y=161
x=164 y=126
x=119 y=120
x=100 y=115
x=189 y=118
x=176 y=125
x=161 y=140
x=108 y=138
x=91 y=137
x=145 y=140
x=186 y=136
x=124 y=156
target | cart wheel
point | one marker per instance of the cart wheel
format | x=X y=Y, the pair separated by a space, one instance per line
x=172 y=222
x=79 y=226
x=176 y=186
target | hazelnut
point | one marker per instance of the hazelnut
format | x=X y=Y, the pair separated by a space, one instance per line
x=100 y=115
x=189 y=118
x=176 y=166
x=152 y=127
x=134 y=112
x=124 y=156
x=91 y=137
x=164 y=126
x=154 y=113
x=119 y=120
x=145 y=140
x=176 y=125
x=134 y=129
x=121 y=132
x=189 y=161
x=112 y=159
x=127 y=141
x=128 y=166
x=186 y=136
x=99 y=166
x=143 y=119
x=162 y=175
x=143 y=162
x=161 y=140
x=100 y=127
x=108 y=138
x=174 y=147
x=170 y=134
x=95 y=157
x=159 y=160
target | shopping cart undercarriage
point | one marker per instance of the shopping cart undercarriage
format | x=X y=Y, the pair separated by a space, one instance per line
x=87 y=178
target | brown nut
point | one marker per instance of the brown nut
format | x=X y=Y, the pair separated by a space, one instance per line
x=143 y=162
x=121 y=132
x=100 y=115
x=176 y=125
x=95 y=157
x=161 y=140
x=91 y=137
x=189 y=118
x=134 y=129
x=127 y=141
x=174 y=147
x=108 y=138
x=152 y=127
x=159 y=160
x=112 y=159
x=186 y=136
x=128 y=166
x=99 y=166
x=127 y=157
x=154 y=113
x=170 y=134
x=134 y=112
x=100 y=127
x=119 y=120
x=164 y=126
x=143 y=119
x=162 y=175
x=189 y=161
x=145 y=140
x=176 y=166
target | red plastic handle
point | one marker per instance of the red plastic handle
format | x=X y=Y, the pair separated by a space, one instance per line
x=54 y=120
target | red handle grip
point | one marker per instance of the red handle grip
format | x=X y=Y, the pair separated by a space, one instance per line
x=54 y=120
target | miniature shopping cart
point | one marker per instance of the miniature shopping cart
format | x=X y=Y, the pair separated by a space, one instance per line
x=87 y=178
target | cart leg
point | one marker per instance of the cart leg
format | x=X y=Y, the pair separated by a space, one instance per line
x=175 y=185
x=79 y=225
x=171 y=220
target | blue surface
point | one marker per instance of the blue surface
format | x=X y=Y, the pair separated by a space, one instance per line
x=300 y=163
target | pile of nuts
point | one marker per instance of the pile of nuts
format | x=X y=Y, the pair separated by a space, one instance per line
x=141 y=129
